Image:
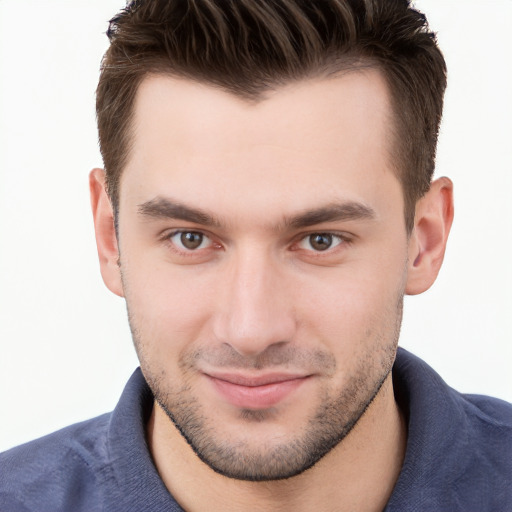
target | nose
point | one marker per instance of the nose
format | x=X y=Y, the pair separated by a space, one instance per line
x=255 y=309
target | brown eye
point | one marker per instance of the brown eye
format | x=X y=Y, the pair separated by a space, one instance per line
x=320 y=241
x=190 y=240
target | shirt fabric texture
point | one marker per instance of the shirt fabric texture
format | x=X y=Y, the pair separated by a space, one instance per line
x=458 y=458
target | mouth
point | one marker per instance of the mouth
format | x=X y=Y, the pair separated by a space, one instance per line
x=255 y=392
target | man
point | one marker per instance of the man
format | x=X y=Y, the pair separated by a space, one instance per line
x=266 y=203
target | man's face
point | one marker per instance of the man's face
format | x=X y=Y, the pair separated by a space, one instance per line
x=263 y=254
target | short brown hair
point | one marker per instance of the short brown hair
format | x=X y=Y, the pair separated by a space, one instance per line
x=250 y=46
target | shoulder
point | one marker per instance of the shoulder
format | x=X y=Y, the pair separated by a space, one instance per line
x=51 y=473
x=459 y=449
x=424 y=388
x=484 y=455
x=488 y=422
x=488 y=410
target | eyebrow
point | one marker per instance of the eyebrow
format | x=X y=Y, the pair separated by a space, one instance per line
x=346 y=211
x=166 y=208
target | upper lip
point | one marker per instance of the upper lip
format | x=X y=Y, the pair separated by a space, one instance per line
x=254 y=380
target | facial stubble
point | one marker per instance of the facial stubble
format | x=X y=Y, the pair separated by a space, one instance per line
x=332 y=421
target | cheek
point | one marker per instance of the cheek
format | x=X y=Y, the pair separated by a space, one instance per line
x=354 y=308
x=168 y=311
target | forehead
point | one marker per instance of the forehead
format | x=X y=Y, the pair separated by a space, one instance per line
x=305 y=139
x=352 y=99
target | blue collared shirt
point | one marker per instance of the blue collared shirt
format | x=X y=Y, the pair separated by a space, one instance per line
x=458 y=459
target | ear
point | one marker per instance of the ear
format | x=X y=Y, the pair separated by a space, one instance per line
x=104 y=227
x=427 y=244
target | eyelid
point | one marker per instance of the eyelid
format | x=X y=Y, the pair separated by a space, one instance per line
x=205 y=241
x=167 y=235
x=343 y=239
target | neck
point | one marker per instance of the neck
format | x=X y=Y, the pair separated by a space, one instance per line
x=358 y=474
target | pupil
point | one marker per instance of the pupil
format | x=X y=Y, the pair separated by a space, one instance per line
x=320 y=242
x=191 y=240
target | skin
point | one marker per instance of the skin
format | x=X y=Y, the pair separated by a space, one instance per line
x=253 y=185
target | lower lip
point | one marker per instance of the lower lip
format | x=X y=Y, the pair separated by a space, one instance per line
x=256 y=397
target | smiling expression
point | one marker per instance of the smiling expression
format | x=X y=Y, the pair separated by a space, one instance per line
x=263 y=253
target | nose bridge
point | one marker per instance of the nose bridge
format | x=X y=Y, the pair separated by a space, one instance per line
x=255 y=312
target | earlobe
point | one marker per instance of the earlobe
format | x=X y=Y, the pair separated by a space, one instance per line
x=104 y=227
x=427 y=244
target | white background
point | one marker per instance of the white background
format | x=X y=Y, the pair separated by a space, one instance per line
x=65 y=347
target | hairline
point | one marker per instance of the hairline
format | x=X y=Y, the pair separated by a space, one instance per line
x=330 y=69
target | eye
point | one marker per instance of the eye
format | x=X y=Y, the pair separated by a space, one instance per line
x=319 y=242
x=190 y=240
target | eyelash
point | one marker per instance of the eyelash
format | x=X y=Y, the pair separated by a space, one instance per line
x=337 y=238
x=168 y=237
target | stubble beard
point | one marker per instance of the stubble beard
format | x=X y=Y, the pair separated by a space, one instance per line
x=333 y=420
x=328 y=426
